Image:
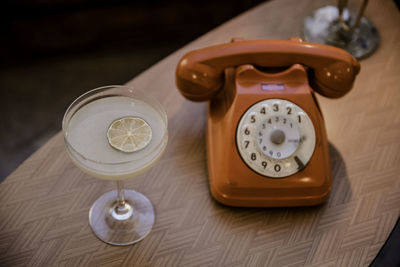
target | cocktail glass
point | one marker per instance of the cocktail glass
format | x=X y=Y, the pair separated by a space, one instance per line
x=119 y=217
x=340 y=27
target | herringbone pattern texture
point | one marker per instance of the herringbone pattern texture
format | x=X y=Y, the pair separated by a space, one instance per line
x=44 y=204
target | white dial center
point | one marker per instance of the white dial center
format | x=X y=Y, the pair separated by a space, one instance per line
x=280 y=137
x=277 y=137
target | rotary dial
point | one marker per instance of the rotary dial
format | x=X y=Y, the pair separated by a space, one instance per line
x=275 y=138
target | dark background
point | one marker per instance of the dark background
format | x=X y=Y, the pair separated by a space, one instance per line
x=52 y=51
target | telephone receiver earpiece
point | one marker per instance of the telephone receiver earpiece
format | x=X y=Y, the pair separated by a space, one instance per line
x=199 y=74
x=335 y=79
x=198 y=81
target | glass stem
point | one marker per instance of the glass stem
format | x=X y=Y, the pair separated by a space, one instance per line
x=360 y=14
x=342 y=4
x=121 y=195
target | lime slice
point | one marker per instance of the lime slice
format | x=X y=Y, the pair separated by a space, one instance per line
x=129 y=134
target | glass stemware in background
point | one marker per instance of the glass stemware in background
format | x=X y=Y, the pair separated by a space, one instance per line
x=119 y=217
x=337 y=26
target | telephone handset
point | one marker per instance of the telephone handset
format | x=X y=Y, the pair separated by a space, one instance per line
x=266 y=137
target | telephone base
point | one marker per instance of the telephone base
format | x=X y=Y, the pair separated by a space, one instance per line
x=233 y=180
x=251 y=201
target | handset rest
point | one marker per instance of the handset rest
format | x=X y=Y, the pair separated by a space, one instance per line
x=199 y=74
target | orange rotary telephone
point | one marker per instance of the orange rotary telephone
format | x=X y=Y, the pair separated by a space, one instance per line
x=266 y=139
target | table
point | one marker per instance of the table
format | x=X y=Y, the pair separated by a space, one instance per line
x=44 y=203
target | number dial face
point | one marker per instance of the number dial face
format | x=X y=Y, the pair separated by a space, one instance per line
x=275 y=138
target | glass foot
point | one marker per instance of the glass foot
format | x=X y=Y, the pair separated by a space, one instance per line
x=324 y=27
x=124 y=224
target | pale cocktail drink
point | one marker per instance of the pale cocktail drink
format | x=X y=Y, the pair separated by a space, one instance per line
x=87 y=131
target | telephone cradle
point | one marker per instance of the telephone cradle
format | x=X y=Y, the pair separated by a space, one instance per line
x=267 y=144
